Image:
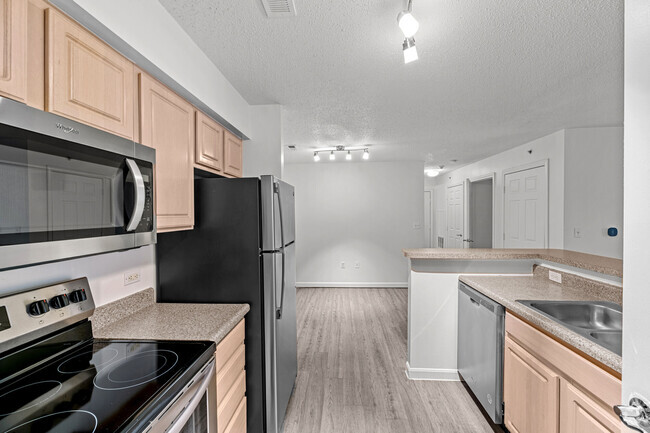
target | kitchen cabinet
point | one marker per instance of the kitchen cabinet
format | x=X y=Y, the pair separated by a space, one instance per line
x=581 y=413
x=167 y=125
x=232 y=155
x=530 y=392
x=87 y=80
x=13 y=44
x=231 y=382
x=548 y=387
x=209 y=150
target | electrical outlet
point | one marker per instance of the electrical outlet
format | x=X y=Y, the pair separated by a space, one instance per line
x=555 y=276
x=357 y=265
x=577 y=232
x=342 y=265
x=132 y=277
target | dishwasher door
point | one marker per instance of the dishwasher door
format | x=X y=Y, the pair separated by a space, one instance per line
x=481 y=333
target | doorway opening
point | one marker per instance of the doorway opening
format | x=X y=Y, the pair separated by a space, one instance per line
x=480 y=224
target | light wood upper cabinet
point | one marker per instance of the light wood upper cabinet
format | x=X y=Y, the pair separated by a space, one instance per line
x=581 y=413
x=530 y=392
x=87 y=80
x=209 y=143
x=167 y=125
x=233 y=155
x=13 y=43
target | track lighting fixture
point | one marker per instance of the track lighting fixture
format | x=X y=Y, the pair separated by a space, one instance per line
x=348 y=152
x=409 y=26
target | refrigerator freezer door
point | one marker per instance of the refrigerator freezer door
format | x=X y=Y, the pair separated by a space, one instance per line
x=278 y=213
x=280 y=335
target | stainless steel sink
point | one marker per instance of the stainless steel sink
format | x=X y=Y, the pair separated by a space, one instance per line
x=599 y=321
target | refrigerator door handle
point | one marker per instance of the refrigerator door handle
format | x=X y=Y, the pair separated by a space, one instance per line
x=276 y=190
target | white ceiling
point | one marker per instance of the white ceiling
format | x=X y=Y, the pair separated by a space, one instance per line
x=491 y=75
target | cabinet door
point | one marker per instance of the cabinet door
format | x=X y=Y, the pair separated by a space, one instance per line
x=232 y=155
x=209 y=143
x=530 y=392
x=87 y=80
x=13 y=44
x=167 y=125
x=580 y=413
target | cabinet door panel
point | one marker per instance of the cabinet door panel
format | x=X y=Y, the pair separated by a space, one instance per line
x=580 y=413
x=167 y=125
x=13 y=43
x=88 y=81
x=531 y=392
x=209 y=143
x=232 y=155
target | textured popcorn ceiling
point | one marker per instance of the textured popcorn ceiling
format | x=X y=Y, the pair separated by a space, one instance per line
x=492 y=74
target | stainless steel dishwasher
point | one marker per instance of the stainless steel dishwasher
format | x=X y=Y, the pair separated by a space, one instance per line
x=481 y=333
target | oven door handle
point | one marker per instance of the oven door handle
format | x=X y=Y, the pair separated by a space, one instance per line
x=208 y=376
x=138 y=207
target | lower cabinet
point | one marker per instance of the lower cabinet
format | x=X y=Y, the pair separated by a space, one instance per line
x=549 y=388
x=231 y=382
x=531 y=392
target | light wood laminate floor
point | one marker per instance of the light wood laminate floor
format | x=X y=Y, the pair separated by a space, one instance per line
x=351 y=362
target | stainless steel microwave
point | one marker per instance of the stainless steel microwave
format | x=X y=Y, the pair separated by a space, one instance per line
x=68 y=189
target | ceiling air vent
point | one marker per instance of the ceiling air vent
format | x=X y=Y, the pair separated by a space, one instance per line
x=279 y=8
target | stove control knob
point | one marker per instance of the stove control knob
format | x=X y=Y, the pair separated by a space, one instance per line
x=38 y=308
x=59 y=301
x=78 y=296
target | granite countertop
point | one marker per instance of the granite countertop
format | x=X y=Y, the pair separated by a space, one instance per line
x=506 y=290
x=209 y=322
x=600 y=264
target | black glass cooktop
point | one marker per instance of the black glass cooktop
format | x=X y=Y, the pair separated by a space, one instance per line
x=100 y=386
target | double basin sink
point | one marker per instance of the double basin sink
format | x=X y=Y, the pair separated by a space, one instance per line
x=600 y=322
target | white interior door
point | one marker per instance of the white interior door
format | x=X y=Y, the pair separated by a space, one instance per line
x=428 y=226
x=455 y=217
x=526 y=208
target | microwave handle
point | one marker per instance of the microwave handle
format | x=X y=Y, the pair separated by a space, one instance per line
x=138 y=208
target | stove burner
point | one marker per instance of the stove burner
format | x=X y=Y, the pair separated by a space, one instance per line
x=135 y=370
x=28 y=396
x=82 y=361
x=67 y=421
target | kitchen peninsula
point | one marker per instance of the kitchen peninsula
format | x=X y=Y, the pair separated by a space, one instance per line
x=433 y=295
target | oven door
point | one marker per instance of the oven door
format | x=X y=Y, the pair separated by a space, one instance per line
x=194 y=410
x=60 y=198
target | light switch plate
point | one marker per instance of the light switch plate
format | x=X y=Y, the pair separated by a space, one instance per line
x=555 y=276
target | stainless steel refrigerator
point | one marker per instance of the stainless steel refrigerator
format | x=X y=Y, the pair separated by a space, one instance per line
x=242 y=250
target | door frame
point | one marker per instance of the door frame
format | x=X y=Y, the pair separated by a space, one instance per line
x=454 y=185
x=467 y=221
x=537 y=164
x=431 y=244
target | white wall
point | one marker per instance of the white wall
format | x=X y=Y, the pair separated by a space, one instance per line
x=147 y=27
x=105 y=274
x=263 y=152
x=550 y=147
x=636 y=254
x=356 y=212
x=593 y=190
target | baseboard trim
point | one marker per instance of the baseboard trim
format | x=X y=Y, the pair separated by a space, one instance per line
x=354 y=285
x=438 y=374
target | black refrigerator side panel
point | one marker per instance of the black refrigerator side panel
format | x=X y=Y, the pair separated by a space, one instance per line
x=219 y=261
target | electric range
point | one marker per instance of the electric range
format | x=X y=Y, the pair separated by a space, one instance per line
x=54 y=376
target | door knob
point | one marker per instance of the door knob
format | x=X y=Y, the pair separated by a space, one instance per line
x=636 y=415
x=468 y=240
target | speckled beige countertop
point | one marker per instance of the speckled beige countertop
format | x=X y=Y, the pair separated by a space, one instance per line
x=604 y=265
x=506 y=290
x=153 y=321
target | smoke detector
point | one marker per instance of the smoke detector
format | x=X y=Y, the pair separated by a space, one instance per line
x=279 y=8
